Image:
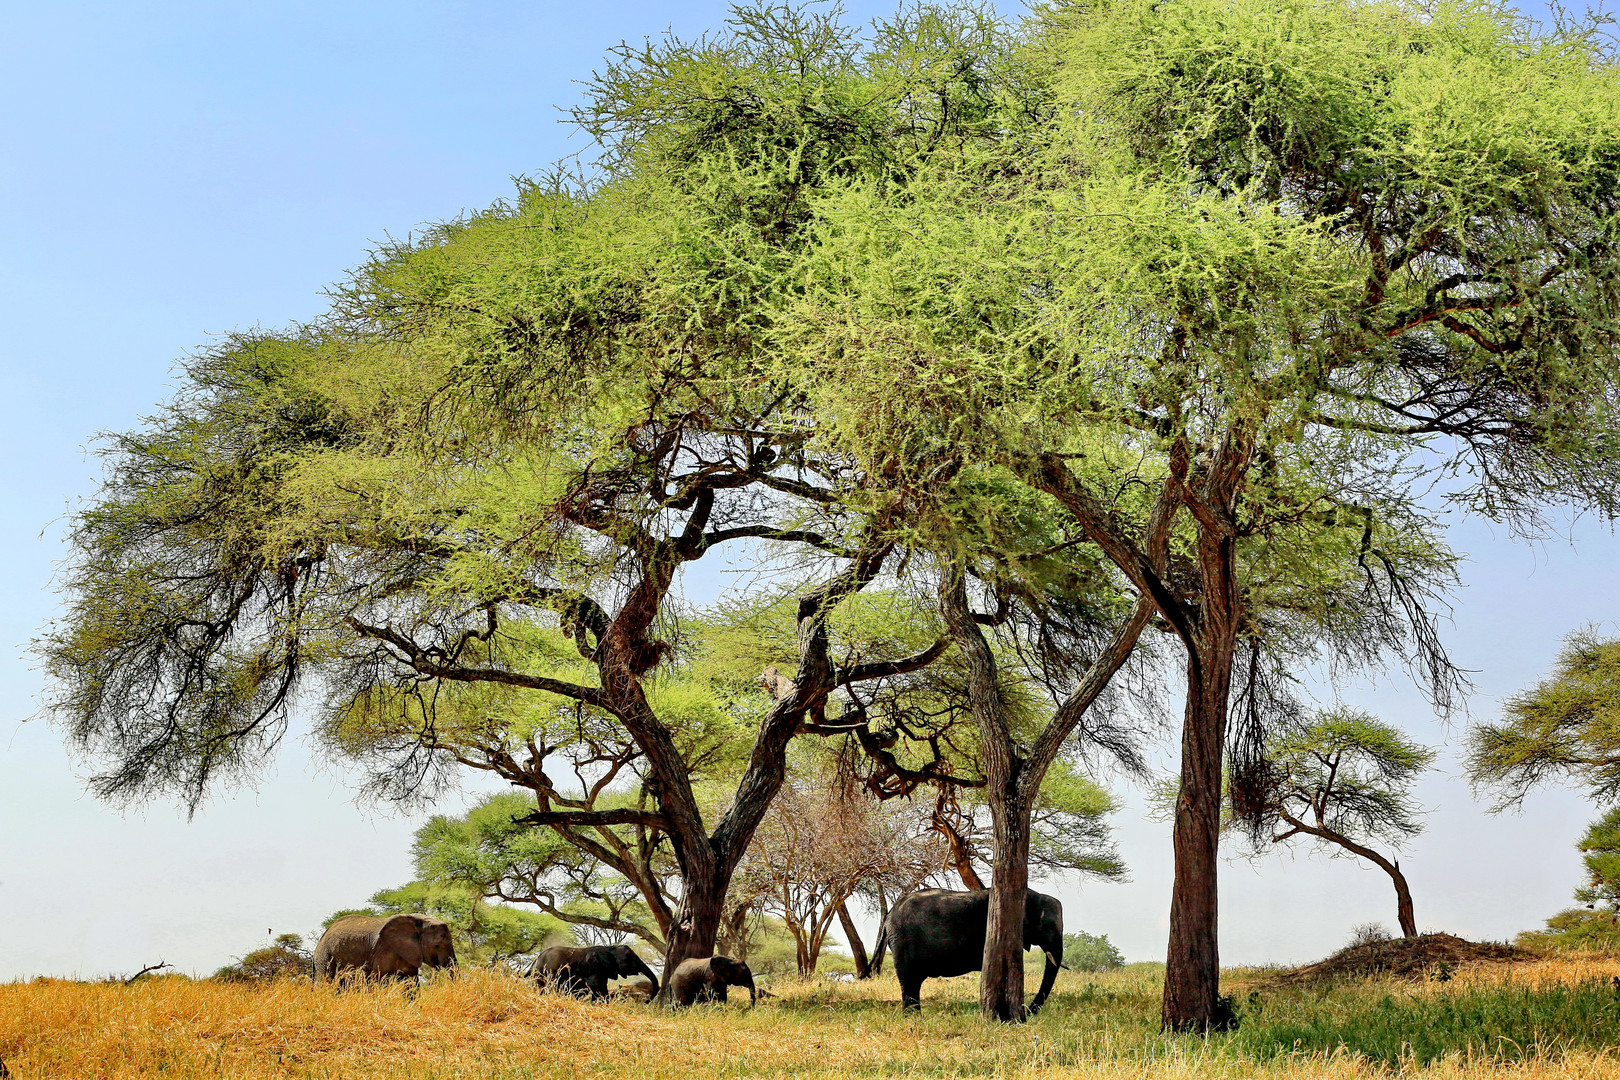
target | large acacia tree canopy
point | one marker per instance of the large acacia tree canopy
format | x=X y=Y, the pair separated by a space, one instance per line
x=1356 y=242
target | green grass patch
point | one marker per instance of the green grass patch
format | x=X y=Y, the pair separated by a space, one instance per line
x=1508 y=1023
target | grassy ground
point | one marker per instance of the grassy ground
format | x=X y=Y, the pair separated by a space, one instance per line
x=1544 y=1019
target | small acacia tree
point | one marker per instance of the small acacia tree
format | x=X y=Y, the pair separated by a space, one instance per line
x=1596 y=923
x=494 y=854
x=1344 y=779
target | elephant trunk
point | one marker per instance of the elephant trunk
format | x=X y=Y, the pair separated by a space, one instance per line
x=879 y=947
x=647 y=971
x=1047 y=979
x=753 y=994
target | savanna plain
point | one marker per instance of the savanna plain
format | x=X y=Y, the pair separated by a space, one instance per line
x=1536 y=1018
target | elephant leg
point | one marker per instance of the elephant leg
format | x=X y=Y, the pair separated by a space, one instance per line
x=911 y=993
x=598 y=988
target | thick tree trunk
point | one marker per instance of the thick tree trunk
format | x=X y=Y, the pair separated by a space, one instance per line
x=1001 y=988
x=1192 y=971
x=697 y=918
x=856 y=948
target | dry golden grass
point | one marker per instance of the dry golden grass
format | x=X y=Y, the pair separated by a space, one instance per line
x=491 y=1026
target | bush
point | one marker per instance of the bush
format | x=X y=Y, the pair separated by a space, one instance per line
x=1083 y=952
x=1368 y=933
x=285 y=957
x=1577 y=930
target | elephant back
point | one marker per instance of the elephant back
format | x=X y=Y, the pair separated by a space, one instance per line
x=347 y=945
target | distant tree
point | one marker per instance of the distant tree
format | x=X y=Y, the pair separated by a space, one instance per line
x=1596 y=924
x=1344 y=779
x=492 y=852
x=822 y=840
x=1566 y=728
x=1083 y=952
x=285 y=957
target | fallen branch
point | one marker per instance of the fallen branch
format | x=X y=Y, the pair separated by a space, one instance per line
x=159 y=966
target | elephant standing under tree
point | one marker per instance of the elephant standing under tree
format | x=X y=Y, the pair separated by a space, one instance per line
x=588 y=969
x=937 y=933
x=706 y=980
x=383 y=946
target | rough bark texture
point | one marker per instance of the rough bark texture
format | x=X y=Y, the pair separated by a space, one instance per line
x=1206 y=610
x=1192 y=962
x=1001 y=989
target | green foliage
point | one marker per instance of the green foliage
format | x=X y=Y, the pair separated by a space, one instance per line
x=1575 y=930
x=1596 y=925
x=1566 y=727
x=285 y=958
x=1349 y=774
x=487 y=853
x=1084 y=952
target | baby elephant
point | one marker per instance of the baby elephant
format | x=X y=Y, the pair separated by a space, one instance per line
x=706 y=980
x=383 y=947
x=588 y=970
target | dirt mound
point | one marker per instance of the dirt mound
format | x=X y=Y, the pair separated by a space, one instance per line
x=1408 y=958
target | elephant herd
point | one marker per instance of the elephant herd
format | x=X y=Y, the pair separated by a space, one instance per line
x=932 y=933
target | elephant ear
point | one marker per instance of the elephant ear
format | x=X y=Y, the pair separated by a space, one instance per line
x=399 y=945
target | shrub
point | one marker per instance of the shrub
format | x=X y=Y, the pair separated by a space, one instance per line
x=1368 y=933
x=1577 y=930
x=283 y=958
x=1083 y=952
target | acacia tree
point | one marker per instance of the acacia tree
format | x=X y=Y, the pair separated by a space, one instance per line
x=1265 y=278
x=493 y=853
x=1566 y=727
x=1596 y=923
x=1345 y=780
x=506 y=442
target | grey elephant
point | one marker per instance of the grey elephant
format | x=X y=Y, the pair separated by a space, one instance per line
x=383 y=946
x=937 y=933
x=587 y=970
x=706 y=980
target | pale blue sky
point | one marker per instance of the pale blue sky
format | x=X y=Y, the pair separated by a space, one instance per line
x=172 y=170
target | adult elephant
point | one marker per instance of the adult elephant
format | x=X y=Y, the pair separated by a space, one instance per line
x=937 y=933
x=706 y=980
x=383 y=946
x=588 y=969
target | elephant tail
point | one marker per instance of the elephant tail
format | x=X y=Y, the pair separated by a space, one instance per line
x=879 y=947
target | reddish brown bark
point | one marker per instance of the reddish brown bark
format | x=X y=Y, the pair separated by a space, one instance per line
x=1192 y=961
